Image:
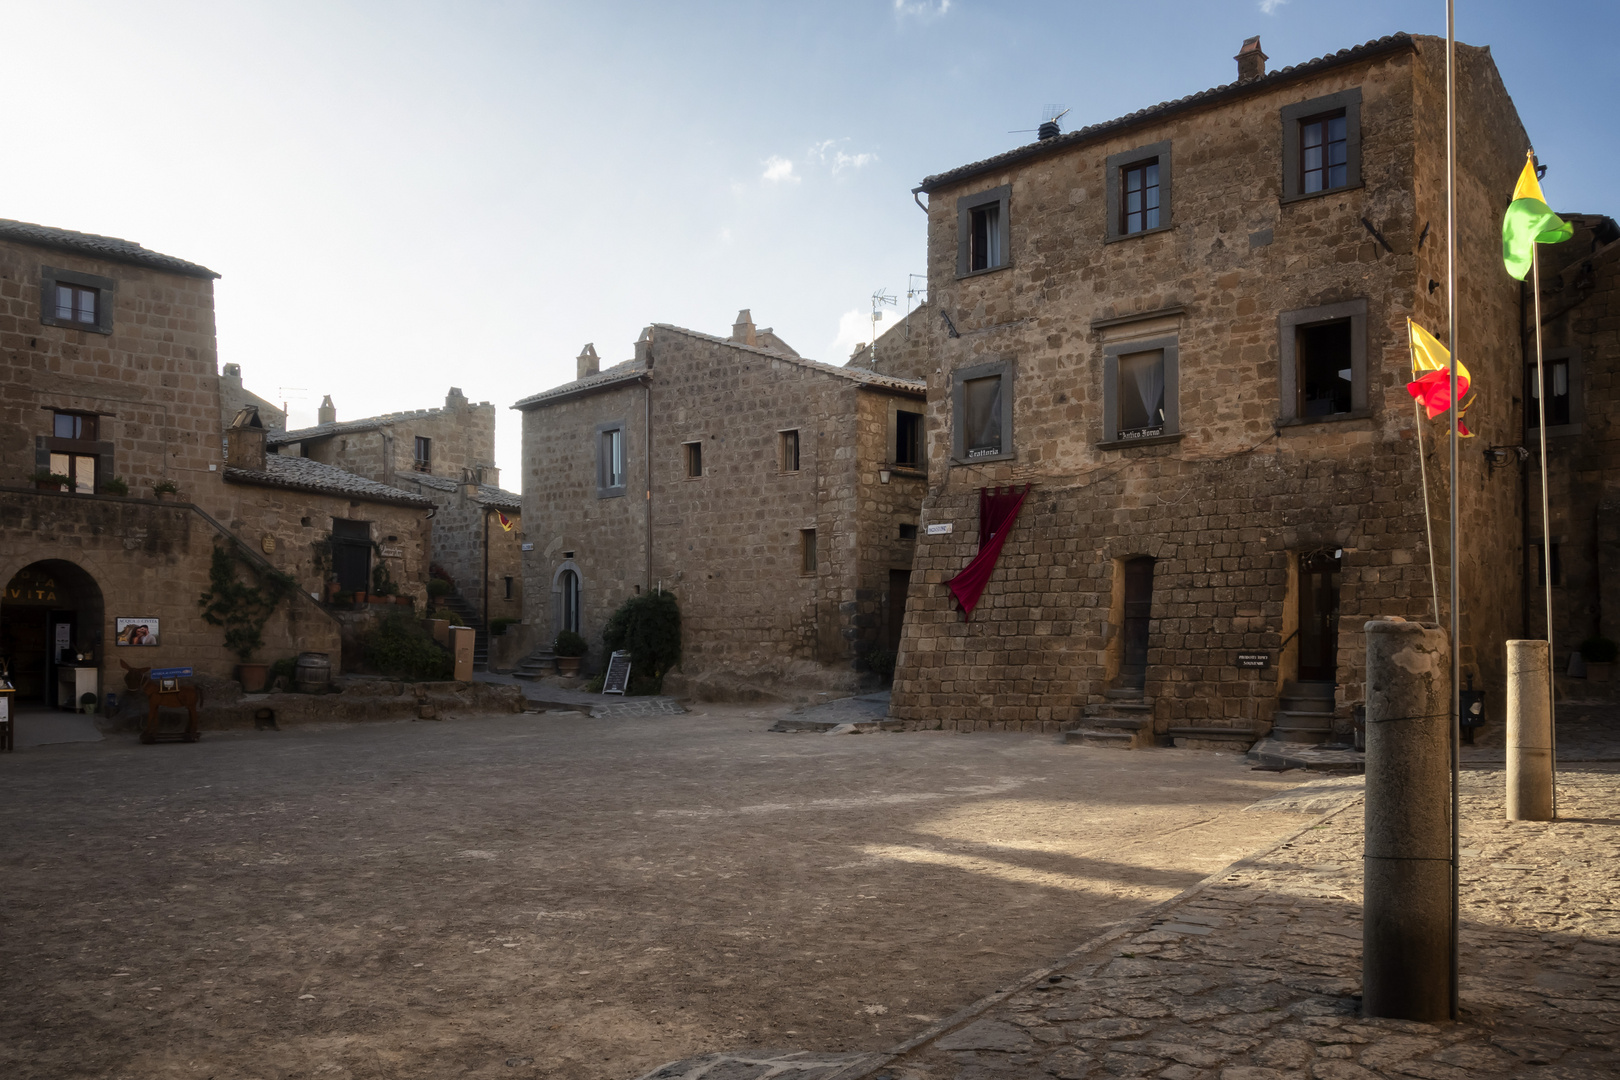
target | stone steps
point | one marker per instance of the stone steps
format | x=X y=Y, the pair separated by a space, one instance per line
x=1236 y=740
x=1114 y=732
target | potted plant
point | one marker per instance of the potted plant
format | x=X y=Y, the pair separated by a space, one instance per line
x=87 y=703
x=45 y=480
x=162 y=489
x=569 y=648
x=243 y=609
x=332 y=589
x=115 y=485
x=438 y=588
x=1599 y=653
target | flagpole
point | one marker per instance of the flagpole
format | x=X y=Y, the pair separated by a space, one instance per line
x=1546 y=520
x=1451 y=321
x=1428 y=524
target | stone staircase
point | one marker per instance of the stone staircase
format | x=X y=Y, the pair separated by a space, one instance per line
x=538 y=663
x=467 y=615
x=1304 y=713
x=1123 y=722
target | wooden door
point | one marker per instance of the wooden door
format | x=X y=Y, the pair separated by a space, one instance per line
x=1319 y=618
x=1138 y=610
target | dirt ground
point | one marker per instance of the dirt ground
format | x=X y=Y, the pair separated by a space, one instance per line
x=552 y=896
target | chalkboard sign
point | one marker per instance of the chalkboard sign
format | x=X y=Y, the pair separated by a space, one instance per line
x=618 y=674
x=1253 y=660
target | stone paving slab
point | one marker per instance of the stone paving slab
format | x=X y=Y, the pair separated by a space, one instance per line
x=1255 y=973
x=764 y=1065
x=866 y=712
x=1287 y=755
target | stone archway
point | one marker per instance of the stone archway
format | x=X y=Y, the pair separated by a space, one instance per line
x=48 y=606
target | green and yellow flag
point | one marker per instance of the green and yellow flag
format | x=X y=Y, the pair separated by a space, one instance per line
x=1529 y=221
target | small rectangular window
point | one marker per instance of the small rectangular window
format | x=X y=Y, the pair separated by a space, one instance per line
x=610 y=459
x=74 y=426
x=77 y=304
x=908 y=428
x=507 y=581
x=788 y=451
x=694 y=459
x=1326 y=375
x=985 y=240
x=1558 y=397
x=1139 y=185
x=982 y=408
x=908 y=532
x=807 y=551
x=424 y=455
x=80 y=469
x=1141 y=394
x=1323 y=153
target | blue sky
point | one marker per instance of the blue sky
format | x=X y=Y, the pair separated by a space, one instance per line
x=403 y=196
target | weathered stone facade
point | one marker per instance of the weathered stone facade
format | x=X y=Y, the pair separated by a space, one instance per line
x=779 y=533
x=109 y=372
x=234 y=397
x=1239 y=485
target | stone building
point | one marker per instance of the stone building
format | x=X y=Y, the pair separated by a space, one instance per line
x=1184 y=333
x=776 y=497
x=234 y=397
x=1580 y=306
x=108 y=378
x=446 y=456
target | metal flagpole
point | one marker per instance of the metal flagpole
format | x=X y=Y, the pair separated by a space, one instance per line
x=1451 y=322
x=1546 y=520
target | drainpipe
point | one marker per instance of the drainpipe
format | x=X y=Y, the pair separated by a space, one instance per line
x=646 y=438
x=486 y=570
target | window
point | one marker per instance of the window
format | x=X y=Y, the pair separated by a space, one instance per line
x=982 y=233
x=1322 y=145
x=80 y=468
x=908 y=532
x=807 y=551
x=76 y=301
x=908 y=428
x=788 y=451
x=1323 y=356
x=694 y=459
x=424 y=455
x=1140 y=399
x=1141 y=202
x=73 y=450
x=507 y=581
x=981 y=404
x=1565 y=410
x=610 y=458
x=1138 y=199
x=79 y=426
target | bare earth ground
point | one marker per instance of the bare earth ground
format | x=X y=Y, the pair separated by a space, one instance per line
x=525 y=896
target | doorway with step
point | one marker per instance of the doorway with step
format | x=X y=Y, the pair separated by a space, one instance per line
x=1318 y=596
x=1138 y=610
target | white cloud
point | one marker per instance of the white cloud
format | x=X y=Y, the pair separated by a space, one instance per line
x=1269 y=7
x=778 y=170
x=828 y=153
x=854 y=328
x=926 y=9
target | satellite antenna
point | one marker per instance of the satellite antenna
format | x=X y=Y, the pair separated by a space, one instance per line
x=879 y=300
x=1049 y=129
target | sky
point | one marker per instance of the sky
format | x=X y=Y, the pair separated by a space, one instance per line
x=404 y=197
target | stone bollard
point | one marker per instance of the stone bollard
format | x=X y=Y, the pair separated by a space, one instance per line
x=1406 y=902
x=1529 y=733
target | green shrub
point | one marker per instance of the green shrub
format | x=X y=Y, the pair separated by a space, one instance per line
x=877 y=660
x=596 y=684
x=240 y=608
x=438 y=587
x=286 y=667
x=115 y=485
x=400 y=647
x=382 y=583
x=165 y=487
x=647 y=626
x=446 y=614
x=45 y=476
x=497 y=627
x=569 y=643
x=1599 y=650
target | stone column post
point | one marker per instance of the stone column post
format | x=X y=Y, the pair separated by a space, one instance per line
x=1529 y=733
x=1406 y=930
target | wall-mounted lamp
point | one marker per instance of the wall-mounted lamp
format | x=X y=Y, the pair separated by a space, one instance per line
x=1505 y=455
x=883 y=475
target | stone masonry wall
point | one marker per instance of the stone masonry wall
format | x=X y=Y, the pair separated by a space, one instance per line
x=464 y=529
x=882 y=509
x=1229 y=507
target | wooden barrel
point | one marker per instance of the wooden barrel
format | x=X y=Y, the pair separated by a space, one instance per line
x=313 y=672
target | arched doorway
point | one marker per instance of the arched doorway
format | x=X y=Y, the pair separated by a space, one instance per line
x=566 y=593
x=50 y=609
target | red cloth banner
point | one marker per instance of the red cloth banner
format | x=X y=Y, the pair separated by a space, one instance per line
x=998 y=509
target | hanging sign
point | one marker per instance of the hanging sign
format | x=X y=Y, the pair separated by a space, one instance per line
x=617 y=678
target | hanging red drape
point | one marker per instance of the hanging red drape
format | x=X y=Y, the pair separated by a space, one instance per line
x=998 y=509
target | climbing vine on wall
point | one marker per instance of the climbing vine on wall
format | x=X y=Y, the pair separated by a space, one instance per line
x=242 y=609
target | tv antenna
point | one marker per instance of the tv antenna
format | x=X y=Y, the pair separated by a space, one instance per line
x=916 y=292
x=880 y=299
x=1050 y=128
x=281 y=392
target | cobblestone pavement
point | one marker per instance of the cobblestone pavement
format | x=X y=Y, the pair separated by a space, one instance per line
x=1254 y=974
x=550 y=692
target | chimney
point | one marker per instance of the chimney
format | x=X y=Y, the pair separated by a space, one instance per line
x=743 y=329
x=327 y=413
x=455 y=399
x=245 y=441
x=588 y=363
x=644 y=348
x=1251 y=61
x=232 y=375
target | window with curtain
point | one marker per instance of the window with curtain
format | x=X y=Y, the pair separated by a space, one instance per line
x=981 y=419
x=1141 y=394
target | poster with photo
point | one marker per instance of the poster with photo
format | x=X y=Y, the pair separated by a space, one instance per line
x=137 y=631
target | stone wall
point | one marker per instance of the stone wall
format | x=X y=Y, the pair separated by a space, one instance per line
x=234 y=396
x=1230 y=506
x=462 y=434
x=470 y=545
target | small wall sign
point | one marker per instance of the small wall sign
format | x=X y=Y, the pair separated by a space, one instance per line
x=526 y=547
x=136 y=631
x=939 y=530
x=268 y=544
x=393 y=552
x=1253 y=660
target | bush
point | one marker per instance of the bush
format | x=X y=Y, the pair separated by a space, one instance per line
x=438 y=588
x=165 y=487
x=497 y=627
x=286 y=667
x=398 y=646
x=115 y=485
x=446 y=614
x=647 y=626
x=569 y=643
x=878 y=661
x=1599 y=650
x=45 y=476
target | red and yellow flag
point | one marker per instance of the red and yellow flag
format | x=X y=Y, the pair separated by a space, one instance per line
x=1431 y=377
x=506 y=522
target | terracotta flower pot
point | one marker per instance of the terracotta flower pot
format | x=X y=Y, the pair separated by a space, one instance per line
x=252 y=677
x=568 y=666
x=360 y=596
